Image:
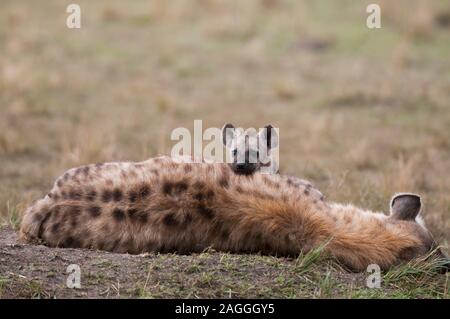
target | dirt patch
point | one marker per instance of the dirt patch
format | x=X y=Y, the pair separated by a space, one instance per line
x=39 y=271
x=28 y=271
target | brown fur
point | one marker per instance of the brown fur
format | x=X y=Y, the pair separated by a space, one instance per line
x=167 y=206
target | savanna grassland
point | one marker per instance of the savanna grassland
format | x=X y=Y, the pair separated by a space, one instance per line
x=362 y=114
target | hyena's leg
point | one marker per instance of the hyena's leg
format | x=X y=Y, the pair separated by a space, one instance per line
x=34 y=218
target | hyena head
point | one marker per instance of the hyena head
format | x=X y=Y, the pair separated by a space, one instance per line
x=250 y=150
x=405 y=209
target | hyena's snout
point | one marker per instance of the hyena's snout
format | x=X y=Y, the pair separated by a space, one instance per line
x=244 y=168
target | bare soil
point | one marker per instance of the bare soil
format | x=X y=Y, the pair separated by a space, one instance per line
x=36 y=271
x=39 y=271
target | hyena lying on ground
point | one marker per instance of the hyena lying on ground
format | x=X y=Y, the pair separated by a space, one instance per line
x=165 y=206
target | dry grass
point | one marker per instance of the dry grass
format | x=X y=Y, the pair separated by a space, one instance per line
x=362 y=113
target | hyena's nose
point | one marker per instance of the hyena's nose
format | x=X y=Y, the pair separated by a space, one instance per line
x=241 y=166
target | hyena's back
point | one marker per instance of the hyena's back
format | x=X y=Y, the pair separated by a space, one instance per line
x=157 y=205
x=80 y=209
x=103 y=206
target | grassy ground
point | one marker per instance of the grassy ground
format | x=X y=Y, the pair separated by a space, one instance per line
x=362 y=113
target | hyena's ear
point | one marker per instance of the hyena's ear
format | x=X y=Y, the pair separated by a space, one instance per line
x=405 y=206
x=227 y=134
x=269 y=135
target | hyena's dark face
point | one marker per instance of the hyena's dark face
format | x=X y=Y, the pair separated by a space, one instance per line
x=251 y=151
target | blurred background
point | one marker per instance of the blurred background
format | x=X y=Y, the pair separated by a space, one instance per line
x=362 y=113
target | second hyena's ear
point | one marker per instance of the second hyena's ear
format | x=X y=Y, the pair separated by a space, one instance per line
x=227 y=134
x=270 y=136
x=405 y=206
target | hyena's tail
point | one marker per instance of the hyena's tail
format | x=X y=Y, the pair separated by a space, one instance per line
x=34 y=218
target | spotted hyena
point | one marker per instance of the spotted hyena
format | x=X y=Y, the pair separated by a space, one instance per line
x=161 y=205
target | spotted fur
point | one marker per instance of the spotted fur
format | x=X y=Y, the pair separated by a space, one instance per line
x=162 y=205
